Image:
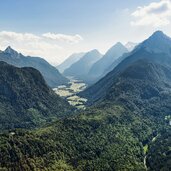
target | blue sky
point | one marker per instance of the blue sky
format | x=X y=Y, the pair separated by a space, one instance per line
x=56 y=28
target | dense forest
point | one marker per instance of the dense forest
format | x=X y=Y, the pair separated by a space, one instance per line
x=25 y=99
x=109 y=137
x=127 y=128
x=159 y=154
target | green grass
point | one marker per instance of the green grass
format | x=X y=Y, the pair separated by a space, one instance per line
x=145 y=149
x=69 y=92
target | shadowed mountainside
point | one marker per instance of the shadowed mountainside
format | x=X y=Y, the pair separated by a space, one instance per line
x=25 y=98
x=50 y=73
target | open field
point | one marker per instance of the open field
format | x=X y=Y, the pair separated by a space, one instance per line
x=70 y=93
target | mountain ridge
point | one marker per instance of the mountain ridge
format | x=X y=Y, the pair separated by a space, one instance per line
x=25 y=99
x=126 y=128
x=98 y=90
x=81 y=68
x=69 y=61
x=50 y=73
x=98 y=70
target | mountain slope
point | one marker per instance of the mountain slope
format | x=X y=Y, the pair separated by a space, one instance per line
x=131 y=45
x=141 y=82
x=159 y=154
x=146 y=50
x=50 y=73
x=91 y=141
x=69 y=61
x=98 y=69
x=81 y=68
x=109 y=136
x=25 y=99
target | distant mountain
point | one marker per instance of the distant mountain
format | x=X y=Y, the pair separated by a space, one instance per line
x=130 y=46
x=156 y=49
x=25 y=99
x=126 y=129
x=81 y=68
x=157 y=43
x=50 y=73
x=98 y=70
x=116 y=62
x=69 y=61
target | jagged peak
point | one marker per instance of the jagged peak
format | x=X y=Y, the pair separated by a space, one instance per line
x=158 y=42
x=159 y=35
x=12 y=52
x=130 y=45
x=119 y=44
x=94 y=51
x=9 y=49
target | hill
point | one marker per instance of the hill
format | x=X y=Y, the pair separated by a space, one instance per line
x=26 y=100
x=50 y=73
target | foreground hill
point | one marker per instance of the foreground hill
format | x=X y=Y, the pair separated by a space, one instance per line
x=81 y=68
x=69 y=61
x=113 y=135
x=50 y=73
x=148 y=50
x=25 y=99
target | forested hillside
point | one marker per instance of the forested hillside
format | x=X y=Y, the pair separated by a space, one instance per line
x=26 y=100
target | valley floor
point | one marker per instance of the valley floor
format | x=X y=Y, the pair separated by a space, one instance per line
x=70 y=91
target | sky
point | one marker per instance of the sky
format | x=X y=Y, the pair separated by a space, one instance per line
x=55 y=29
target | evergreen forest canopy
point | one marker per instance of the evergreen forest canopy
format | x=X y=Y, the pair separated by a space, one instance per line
x=126 y=125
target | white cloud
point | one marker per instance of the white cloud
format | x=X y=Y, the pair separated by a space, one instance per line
x=45 y=45
x=18 y=36
x=155 y=14
x=62 y=37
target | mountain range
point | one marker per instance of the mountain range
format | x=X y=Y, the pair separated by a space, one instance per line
x=124 y=127
x=131 y=45
x=98 y=70
x=50 y=73
x=147 y=50
x=25 y=99
x=80 y=69
x=69 y=61
x=93 y=66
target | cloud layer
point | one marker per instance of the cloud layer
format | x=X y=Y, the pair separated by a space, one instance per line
x=155 y=14
x=47 y=45
x=62 y=37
